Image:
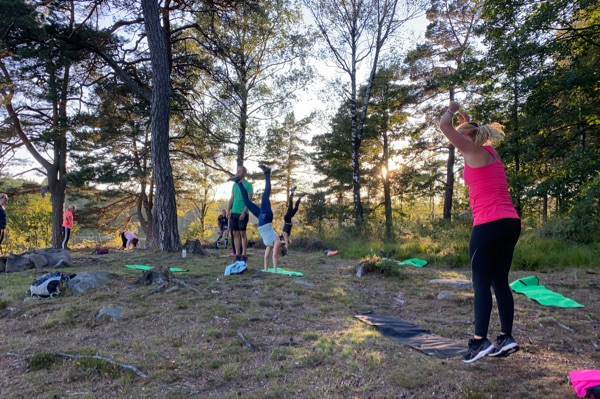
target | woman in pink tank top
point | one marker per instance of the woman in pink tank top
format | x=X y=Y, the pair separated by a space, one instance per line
x=496 y=229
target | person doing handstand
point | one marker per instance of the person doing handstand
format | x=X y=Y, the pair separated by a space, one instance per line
x=291 y=211
x=264 y=213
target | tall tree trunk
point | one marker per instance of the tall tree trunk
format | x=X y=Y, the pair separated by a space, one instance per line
x=449 y=190
x=355 y=156
x=165 y=207
x=545 y=208
x=387 y=196
x=449 y=186
x=241 y=149
x=515 y=118
x=57 y=199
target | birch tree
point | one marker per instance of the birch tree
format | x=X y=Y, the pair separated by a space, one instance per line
x=355 y=34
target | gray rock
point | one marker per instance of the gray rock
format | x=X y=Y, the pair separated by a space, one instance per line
x=114 y=313
x=38 y=260
x=400 y=300
x=86 y=281
x=31 y=299
x=18 y=263
x=446 y=295
x=360 y=270
x=54 y=256
x=63 y=263
x=454 y=282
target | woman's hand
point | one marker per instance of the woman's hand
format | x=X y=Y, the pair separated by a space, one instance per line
x=453 y=107
x=463 y=117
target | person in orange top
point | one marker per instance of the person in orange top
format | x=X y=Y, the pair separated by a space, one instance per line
x=67 y=225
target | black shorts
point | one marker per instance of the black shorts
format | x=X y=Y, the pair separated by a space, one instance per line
x=237 y=224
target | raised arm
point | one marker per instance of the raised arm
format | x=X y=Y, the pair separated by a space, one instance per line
x=475 y=155
x=462 y=143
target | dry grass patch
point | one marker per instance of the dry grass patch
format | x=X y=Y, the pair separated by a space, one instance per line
x=259 y=335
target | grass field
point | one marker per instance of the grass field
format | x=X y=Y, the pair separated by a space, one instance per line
x=260 y=335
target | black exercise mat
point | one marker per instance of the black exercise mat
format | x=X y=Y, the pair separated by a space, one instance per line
x=413 y=335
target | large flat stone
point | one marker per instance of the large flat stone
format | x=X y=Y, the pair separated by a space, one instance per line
x=459 y=283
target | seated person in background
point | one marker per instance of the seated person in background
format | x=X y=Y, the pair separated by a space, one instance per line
x=128 y=238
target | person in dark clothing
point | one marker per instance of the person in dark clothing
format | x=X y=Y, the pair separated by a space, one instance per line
x=237 y=214
x=291 y=211
x=223 y=225
x=3 y=218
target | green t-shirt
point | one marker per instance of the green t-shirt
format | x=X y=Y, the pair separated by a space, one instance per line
x=238 y=202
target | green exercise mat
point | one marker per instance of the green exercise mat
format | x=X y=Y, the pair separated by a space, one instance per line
x=409 y=262
x=282 y=271
x=531 y=288
x=144 y=267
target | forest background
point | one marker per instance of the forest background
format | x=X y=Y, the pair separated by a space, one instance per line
x=136 y=112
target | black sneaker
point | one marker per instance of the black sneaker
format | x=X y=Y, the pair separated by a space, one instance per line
x=292 y=190
x=477 y=350
x=266 y=170
x=301 y=195
x=504 y=346
x=235 y=179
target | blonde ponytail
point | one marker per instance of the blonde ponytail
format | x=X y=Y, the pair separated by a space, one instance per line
x=482 y=135
x=489 y=133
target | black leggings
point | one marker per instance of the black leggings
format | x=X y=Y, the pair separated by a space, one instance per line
x=491 y=250
x=291 y=211
x=67 y=234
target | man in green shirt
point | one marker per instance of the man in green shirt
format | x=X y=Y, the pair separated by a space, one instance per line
x=238 y=215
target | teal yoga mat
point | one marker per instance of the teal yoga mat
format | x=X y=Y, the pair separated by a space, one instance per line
x=144 y=267
x=531 y=288
x=409 y=262
x=282 y=271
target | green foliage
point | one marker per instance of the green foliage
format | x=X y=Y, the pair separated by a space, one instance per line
x=286 y=150
x=29 y=223
x=535 y=252
x=585 y=214
x=446 y=244
x=333 y=152
x=548 y=100
x=316 y=210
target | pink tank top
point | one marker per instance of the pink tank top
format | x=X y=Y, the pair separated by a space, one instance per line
x=488 y=192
